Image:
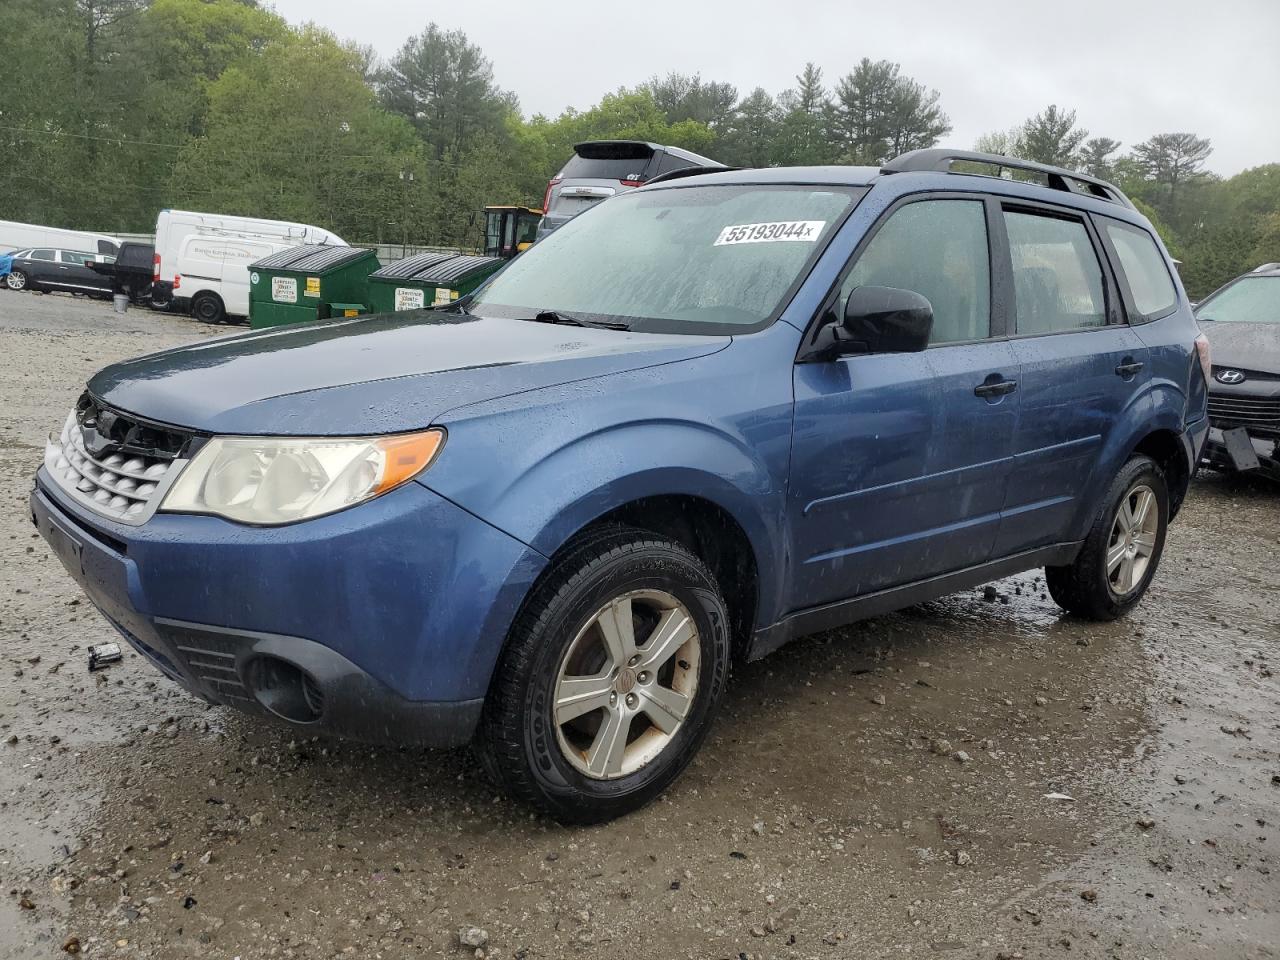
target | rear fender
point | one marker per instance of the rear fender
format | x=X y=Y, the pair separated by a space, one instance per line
x=1160 y=407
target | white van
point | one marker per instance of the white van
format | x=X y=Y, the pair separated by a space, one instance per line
x=201 y=259
x=212 y=278
x=24 y=236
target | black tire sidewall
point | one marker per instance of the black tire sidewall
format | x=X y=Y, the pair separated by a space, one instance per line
x=1137 y=470
x=200 y=301
x=654 y=566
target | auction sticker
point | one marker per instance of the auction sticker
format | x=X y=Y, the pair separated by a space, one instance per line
x=408 y=298
x=284 y=289
x=806 y=231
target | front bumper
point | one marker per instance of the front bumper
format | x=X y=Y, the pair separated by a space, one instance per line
x=381 y=623
x=1222 y=455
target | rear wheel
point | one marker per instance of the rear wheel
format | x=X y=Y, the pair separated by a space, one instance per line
x=610 y=678
x=17 y=280
x=207 y=308
x=1122 y=550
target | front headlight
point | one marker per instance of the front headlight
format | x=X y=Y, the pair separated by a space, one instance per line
x=274 y=480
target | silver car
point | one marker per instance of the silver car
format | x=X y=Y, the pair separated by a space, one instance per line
x=599 y=169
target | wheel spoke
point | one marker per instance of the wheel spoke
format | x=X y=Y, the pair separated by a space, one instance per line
x=1115 y=556
x=1126 y=574
x=664 y=706
x=578 y=695
x=618 y=632
x=1142 y=508
x=1124 y=516
x=604 y=757
x=1146 y=543
x=672 y=632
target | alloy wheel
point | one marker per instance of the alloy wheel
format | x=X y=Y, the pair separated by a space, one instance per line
x=626 y=684
x=1133 y=539
x=16 y=281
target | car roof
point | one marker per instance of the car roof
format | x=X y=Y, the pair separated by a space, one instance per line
x=911 y=181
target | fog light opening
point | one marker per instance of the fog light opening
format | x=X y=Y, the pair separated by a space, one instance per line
x=286 y=690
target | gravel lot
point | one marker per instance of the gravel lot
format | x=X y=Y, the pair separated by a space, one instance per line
x=877 y=791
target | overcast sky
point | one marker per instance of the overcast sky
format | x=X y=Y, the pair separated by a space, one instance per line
x=1130 y=68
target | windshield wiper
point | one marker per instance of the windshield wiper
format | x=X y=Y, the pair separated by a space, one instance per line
x=555 y=316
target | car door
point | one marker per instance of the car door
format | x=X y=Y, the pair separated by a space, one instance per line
x=75 y=273
x=1081 y=366
x=41 y=266
x=898 y=466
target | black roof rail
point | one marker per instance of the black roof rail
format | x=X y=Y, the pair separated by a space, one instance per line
x=940 y=159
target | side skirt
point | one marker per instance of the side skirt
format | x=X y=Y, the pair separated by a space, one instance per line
x=842 y=612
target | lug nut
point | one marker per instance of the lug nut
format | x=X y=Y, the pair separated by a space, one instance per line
x=613 y=698
x=634 y=660
x=632 y=700
x=644 y=676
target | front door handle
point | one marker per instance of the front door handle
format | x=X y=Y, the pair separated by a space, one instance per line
x=1128 y=368
x=995 y=387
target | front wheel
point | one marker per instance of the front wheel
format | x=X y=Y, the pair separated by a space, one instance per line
x=17 y=280
x=1123 y=548
x=610 y=678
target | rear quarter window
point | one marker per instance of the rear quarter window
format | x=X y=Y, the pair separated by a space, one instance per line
x=1144 y=268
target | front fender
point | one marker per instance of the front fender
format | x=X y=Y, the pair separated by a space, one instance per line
x=544 y=465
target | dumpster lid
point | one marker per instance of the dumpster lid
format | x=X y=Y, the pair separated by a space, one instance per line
x=410 y=267
x=457 y=269
x=311 y=258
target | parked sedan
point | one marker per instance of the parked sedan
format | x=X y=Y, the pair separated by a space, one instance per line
x=46 y=268
x=1242 y=322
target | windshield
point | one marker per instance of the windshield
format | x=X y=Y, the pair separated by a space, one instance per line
x=698 y=259
x=1248 y=300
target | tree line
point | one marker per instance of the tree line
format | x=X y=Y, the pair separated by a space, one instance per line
x=114 y=109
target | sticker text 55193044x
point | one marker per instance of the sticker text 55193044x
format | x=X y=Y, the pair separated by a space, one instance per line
x=803 y=230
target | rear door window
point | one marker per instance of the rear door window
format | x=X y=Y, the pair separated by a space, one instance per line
x=938 y=249
x=1144 y=268
x=1057 y=279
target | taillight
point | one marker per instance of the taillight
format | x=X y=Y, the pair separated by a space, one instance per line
x=632 y=183
x=177 y=280
x=1202 y=351
x=546 y=197
x=155 y=267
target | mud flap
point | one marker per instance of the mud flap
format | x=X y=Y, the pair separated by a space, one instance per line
x=1240 y=449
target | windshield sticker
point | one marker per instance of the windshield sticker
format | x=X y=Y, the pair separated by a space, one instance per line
x=806 y=231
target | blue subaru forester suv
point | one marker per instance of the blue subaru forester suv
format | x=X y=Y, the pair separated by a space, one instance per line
x=701 y=419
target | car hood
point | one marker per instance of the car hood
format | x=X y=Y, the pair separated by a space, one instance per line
x=371 y=375
x=1248 y=346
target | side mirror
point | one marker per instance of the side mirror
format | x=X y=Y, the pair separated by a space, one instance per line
x=876 y=320
x=885 y=320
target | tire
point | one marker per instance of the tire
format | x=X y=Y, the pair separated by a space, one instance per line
x=207 y=308
x=561 y=641
x=1109 y=576
x=17 y=280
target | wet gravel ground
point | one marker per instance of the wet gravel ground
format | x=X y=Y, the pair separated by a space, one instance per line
x=877 y=791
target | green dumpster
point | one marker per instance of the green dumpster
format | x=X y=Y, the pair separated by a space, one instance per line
x=427 y=280
x=305 y=283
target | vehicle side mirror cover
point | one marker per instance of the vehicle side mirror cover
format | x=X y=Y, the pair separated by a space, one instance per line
x=885 y=320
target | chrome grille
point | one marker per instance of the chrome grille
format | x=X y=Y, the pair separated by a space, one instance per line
x=124 y=486
x=1239 y=411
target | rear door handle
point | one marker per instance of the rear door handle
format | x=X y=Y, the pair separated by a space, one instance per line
x=995 y=388
x=1128 y=368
